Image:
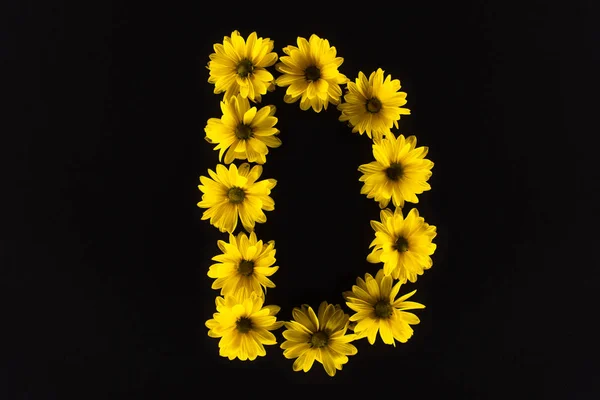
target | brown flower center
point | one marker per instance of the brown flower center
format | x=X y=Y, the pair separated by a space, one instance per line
x=245 y=68
x=383 y=309
x=243 y=132
x=319 y=339
x=236 y=195
x=243 y=325
x=401 y=244
x=246 y=268
x=373 y=105
x=312 y=73
x=394 y=172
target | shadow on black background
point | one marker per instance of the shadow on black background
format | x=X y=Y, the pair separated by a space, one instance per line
x=108 y=256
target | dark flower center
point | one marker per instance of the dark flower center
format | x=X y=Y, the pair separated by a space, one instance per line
x=394 y=172
x=373 y=105
x=243 y=132
x=312 y=73
x=236 y=195
x=401 y=244
x=319 y=339
x=383 y=309
x=246 y=268
x=243 y=325
x=245 y=68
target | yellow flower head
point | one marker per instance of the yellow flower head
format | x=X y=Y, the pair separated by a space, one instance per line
x=403 y=245
x=311 y=73
x=320 y=337
x=399 y=172
x=373 y=105
x=243 y=326
x=377 y=310
x=238 y=66
x=243 y=131
x=244 y=265
x=236 y=192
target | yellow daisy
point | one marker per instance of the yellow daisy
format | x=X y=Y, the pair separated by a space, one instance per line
x=236 y=192
x=320 y=337
x=243 y=326
x=311 y=73
x=403 y=245
x=238 y=66
x=399 y=172
x=373 y=105
x=377 y=310
x=244 y=265
x=243 y=131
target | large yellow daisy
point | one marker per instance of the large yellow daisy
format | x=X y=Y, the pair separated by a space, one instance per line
x=399 y=172
x=373 y=105
x=245 y=132
x=321 y=337
x=238 y=66
x=236 y=192
x=311 y=73
x=403 y=245
x=244 y=265
x=244 y=326
x=378 y=310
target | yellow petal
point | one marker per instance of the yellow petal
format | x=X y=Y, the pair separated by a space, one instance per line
x=238 y=310
x=385 y=331
x=373 y=288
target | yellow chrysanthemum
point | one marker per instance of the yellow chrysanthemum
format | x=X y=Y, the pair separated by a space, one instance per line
x=400 y=171
x=319 y=337
x=243 y=326
x=243 y=131
x=373 y=105
x=244 y=265
x=377 y=310
x=403 y=245
x=236 y=192
x=311 y=72
x=238 y=66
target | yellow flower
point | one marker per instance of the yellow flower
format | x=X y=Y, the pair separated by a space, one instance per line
x=311 y=72
x=403 y=245
x=244 y=265
x=319 y=337
x=377 y=310
x=373 y=105
x=400 y=171
x=243 y=131
x=243 y=326
x=236 y=192
x=238 y=66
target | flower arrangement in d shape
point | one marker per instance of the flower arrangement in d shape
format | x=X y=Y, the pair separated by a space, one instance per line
x=310 y=72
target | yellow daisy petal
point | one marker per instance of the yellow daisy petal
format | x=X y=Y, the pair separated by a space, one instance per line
x=310 y=74
x=237 y=67
x=232 y=193
x=237 y=324
x=318 y=337
x=382 y=314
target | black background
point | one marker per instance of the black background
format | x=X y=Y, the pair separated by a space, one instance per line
x=106 y=256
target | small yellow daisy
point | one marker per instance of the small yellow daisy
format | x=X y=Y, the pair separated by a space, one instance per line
x=400 y=171
x=245 y=132
x=321 y=337
x=244 y=265
x=403 y=245
x=238 y=66
x=377 y=310
x=373 y=105
x=311 y=73
x=244 y=326
x=236 y=192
